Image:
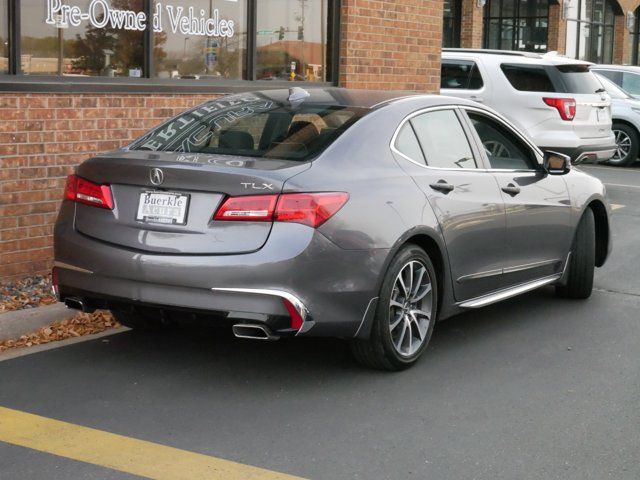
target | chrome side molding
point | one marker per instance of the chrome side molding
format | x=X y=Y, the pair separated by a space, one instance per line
x=509 y=292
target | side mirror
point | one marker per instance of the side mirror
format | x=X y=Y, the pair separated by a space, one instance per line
x=556 y=163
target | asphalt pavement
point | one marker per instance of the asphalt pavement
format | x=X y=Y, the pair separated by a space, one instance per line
x=532 y=388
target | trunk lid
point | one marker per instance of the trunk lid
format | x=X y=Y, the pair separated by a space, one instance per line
x=203 y=181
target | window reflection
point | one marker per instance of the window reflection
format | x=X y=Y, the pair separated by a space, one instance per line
x=81 y=50
x=193 y=55
x=292 y=40
x=516 y=25
x=590 y=26
x=4 y=37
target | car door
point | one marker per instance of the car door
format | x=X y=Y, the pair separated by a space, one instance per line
x=464 y=78
x=538 y=207
x=433 y=147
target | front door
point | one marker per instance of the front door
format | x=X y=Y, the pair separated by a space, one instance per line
x=538 y=208
x=465 y=199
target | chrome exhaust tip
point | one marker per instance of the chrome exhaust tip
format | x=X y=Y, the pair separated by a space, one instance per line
x=253 y=331
x=74 y=303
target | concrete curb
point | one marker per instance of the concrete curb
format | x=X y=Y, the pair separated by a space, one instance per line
x=20 y=322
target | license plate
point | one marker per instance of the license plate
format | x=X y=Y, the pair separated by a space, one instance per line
x=163 y=207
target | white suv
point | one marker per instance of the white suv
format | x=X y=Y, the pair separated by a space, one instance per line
x=557 y=101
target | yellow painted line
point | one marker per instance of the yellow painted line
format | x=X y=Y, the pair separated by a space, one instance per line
x=616 y=206
x=137 y=457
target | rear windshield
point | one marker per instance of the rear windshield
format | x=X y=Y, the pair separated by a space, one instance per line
x=570 y=78
x=577 y=79
x=252 y=125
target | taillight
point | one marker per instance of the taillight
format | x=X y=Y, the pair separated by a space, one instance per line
x=83 y=191
x=256 y=208
x=312 y=209
x=566 y=107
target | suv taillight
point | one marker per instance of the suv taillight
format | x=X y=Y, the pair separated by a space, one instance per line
x=566 y=107
x=83 y=191
x=312 y=209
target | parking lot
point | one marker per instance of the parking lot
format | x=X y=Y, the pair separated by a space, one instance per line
x=534 y=387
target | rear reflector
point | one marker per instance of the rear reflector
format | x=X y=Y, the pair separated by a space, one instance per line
x=83 y=191
x=566 y=107
x=294 y=315
x=312 y=209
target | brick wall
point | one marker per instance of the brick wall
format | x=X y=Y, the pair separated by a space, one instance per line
x=42 y=138
x=471 y=24
x=557 y=30
x=391 y=45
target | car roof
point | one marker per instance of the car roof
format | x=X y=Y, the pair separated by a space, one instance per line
x=549 y=58
x=369 y=99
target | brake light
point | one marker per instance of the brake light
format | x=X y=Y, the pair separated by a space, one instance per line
x=312 y=209
x=566 y=107
x=256 y=208
x=83 y=191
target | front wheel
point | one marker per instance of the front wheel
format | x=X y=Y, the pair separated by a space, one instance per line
x=582 y=261
x=628 y=145
x=405 y=314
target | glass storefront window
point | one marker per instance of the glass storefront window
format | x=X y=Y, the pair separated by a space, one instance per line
x=516 y=25
x=292 y=40
x=81 y=38
x=4 y=36
x=451 y=23
x=202 y=39
x=590 y=30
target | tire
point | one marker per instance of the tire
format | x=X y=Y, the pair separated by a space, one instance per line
x=139 y=320
x=628 y=142
x=582 y=261
x=401 y=329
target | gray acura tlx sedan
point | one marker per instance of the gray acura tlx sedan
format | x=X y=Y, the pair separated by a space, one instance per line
x=328 y=212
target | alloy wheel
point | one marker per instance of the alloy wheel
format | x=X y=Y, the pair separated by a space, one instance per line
x=410 y=308
x=623 y=143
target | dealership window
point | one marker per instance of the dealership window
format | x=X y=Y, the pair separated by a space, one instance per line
x=170 y=40
x=292 y=40
x=516 y=25
x=590 y=30
x=451 y=23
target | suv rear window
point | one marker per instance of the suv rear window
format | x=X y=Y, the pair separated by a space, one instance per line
x=577 y=79
x=252 y=125
x=528 y=78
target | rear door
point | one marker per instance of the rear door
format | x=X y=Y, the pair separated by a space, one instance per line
x=538 y=208
x=434 y=149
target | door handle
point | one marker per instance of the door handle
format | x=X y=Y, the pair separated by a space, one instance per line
x=475 y=98
x=442 y=186
x=511 y=189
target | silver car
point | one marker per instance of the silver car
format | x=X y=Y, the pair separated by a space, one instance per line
x=328 y=212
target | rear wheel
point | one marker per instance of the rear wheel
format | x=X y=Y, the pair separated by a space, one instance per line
x=582 y=261
x=405 y=315
x=628 y=145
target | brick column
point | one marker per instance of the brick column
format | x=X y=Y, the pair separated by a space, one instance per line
x=621 y=41
x=557 y=29
x=471 y=26
x=391 y=45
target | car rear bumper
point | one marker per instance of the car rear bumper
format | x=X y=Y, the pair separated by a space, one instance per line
x=334 y=286
x=599 y=152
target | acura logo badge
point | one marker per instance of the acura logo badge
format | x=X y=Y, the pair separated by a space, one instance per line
x=156 y=176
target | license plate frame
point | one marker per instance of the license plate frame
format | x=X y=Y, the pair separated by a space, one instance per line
x=173 y=215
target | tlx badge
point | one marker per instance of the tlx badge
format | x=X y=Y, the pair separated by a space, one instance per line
x=255 y=186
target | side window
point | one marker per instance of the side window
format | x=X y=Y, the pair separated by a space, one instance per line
x=528 y=78
x=503 y=148
x=443 y=140
x=475 y=82
x=456 y=74
x=407 y=143
x=615 y=77
x=631 y=83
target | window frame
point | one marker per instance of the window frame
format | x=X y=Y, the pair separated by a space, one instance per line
x=503 y=20
x=537 y=153
x=15 y=81
x=578 y=23
x=464 y=123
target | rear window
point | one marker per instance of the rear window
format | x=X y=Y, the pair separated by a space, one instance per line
x=252 y=125
x=528 y=78
x=462 y=74
x=577 y=79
